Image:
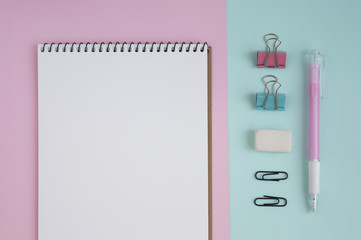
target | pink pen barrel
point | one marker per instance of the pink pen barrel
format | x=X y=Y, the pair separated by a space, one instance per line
x=314 y=112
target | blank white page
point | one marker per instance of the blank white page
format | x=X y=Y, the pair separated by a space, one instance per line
x=123 y=143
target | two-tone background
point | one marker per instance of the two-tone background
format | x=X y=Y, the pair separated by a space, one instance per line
x=234 y=29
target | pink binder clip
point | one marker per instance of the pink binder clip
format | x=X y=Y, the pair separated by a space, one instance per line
x=271 y=59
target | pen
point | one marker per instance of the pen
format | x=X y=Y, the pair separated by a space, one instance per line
x=316 y=81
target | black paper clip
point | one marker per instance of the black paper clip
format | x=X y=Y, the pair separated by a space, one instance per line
x=275 y=201
x=262 y=175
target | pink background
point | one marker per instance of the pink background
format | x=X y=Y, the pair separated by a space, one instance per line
x=25 y=23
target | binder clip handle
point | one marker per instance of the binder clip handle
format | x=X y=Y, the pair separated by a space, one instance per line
x=272 y=36
x=274 y=81
x=269 y=76
x=276 y=44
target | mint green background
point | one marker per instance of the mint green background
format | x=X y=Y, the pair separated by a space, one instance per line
x=333 y=27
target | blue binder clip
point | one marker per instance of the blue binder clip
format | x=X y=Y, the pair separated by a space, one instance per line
x=271 y=101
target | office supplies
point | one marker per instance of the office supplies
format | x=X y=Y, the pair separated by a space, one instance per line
x=316 y=73
x=124 y=141
x=271 y=101
x=270 y=175
x=266 y=140
x=271 y=59
x=274 y=201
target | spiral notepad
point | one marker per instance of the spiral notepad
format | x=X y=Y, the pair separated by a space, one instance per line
x=124 y=141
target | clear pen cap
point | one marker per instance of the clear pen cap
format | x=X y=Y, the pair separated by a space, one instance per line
x=317 y=59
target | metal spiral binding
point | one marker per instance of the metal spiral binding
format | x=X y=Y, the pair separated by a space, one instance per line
x=164 y=47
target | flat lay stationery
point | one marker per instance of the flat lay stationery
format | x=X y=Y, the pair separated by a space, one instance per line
x=180 y=120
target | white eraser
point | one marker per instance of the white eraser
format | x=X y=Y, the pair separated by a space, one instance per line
x=266 y=140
